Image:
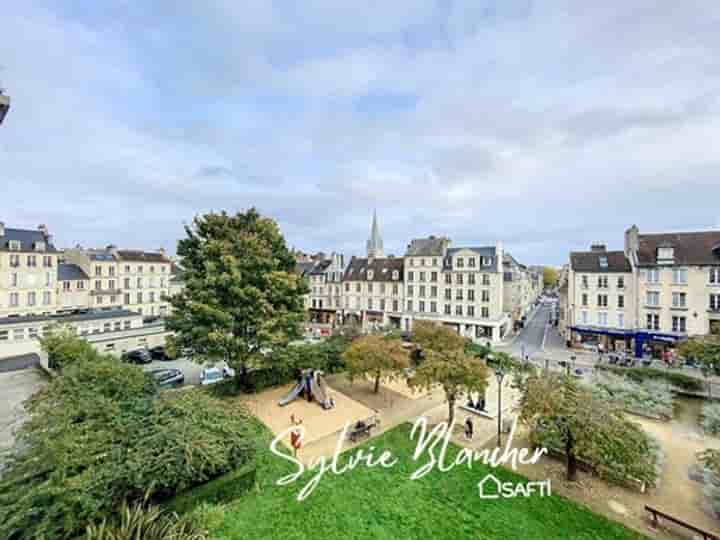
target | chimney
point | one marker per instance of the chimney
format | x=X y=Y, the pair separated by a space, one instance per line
x=112 y=248
x=632 y=242
x=162 y=251
x=598 y=247
x=43 y=229
x=2 y=228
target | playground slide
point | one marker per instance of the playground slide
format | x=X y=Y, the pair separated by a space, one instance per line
x=318 y=392
x=295 y=392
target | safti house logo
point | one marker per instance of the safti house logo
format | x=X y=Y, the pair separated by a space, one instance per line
x=491 y=487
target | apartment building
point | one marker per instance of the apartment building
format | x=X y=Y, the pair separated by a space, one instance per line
x=28 y=272
x=325 y=280
x=73 y=288
x=521 y=289
x=372 y=291
x=662 y=288
x=461 y=287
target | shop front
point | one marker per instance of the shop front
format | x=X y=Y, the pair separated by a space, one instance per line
x=605 y=339
x=656 y=344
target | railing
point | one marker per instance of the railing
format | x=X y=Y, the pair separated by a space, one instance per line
x=655 y=522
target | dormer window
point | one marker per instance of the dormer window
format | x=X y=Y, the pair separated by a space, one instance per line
x=603 y=261
x=14 y=245
x=395 y=275
x=370 y=274
x=666 y=254
x=39 y=246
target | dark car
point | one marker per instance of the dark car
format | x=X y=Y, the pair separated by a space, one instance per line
x=167 y=378
x=159 y=353
x=140 y=356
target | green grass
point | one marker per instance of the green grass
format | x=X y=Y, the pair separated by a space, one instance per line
x=384 y=503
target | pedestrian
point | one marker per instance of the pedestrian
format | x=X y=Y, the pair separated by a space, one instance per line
x=296 y=434
x=468 y=429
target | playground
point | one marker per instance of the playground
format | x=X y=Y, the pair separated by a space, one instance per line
x=319 y=422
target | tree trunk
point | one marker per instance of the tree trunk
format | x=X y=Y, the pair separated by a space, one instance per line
x=451 y=410
x=572 y=465
x=377 y=383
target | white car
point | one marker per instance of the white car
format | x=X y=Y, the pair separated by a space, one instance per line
x=214 y=375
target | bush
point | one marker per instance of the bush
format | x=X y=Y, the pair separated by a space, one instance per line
x=145 y=522
x=711 y=418
x=650 y=397
x=678 y=380
x=64 y=347
x=224 y=489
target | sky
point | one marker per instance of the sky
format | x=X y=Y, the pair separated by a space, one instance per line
x=545 y=125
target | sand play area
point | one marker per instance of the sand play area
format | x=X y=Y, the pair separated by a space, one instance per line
x=318 y=422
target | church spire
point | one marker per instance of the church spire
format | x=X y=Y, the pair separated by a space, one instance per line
x=375 y=244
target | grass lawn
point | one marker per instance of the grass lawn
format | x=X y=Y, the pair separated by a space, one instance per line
x=384 y=503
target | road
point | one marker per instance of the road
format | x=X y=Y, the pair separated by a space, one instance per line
x=531 y=339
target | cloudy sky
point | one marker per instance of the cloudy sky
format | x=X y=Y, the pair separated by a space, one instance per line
x=547 y=125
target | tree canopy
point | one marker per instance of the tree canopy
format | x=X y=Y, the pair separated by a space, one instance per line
x=101 y=433
x=550 y=277
x=375 y=356
x=446 y=364
x=242 y=294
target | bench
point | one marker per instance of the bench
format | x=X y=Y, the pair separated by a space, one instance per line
x=655 y=513
x=361 y=430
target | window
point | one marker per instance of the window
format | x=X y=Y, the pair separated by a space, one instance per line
x=459 y=279
x=471 y=262
x=421 y=306
x=80 y=285
x=14 y=299
x=370 y=274
x=31 y=299
x=459 y=263
x=471 y=295
x=152 y=298
x=422 y=275
x=32 y=333
x=652 y=275
x=458 y=310
x=98 y=270
x=111 y=271
x=486 y=279
x=14 y=261
x=395 y=306
x=370 y=288
x=621 y=301
x=665 y=254
x=357 y=287
x=485 y=295
x=47 y=298
x=126 y=298
x=370 y=303
x=140 y=269
x=448 y=279
x=111 y=284
x=602 y=282
x=19 y=334
x=98 y=284
x=447 y=309
x=126 y=325
x=584 y=282
x=584 y=299
x=139 y=298
x=603 y=260
x=433 y=291
x=139 y=283
x=714 y=275
x=715 y=302
x=652 y=298
x=679 y=324
x=409 y=305
x=14 y=279
x=412 y=262
x=411 y=276
x=485 y=312
x=459 y=294
x=395 y=274
x=127 y=283
x=48 y=279
x=382 y=288
x=602 y=318
x=679 y=299
x=602 y=300
x=47 y=261
x=584 y=317
x=347 y=287
x=621 y=282
x=66 y=285
x=653 y=321
x=127 y=268
x=434 y=261
x=471 y=309
x=409 y=290
x=621 y=320
x=32 y=260
x=422 y=290
x=679 y=276
x=433 y=307
x=4 y=336
x=396 y=289
x=448 y=294
x=471 y=279
x=382 y=304
x=152 y=269
x=98 y=300
x=433 y=276
x=14 y=245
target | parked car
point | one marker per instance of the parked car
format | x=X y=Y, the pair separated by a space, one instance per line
x=167 y=378
x=139 y=356
x=159 y=353
x=211 y=376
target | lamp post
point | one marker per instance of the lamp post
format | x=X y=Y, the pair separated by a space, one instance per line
x=572 y=360
x=500 y=375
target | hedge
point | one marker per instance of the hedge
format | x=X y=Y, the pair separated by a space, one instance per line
x=678 y=380
x=225 y=488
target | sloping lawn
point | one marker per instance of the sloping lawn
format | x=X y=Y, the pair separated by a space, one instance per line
x=384 y=503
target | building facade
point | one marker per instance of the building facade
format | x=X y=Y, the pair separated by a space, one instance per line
x=661 y=289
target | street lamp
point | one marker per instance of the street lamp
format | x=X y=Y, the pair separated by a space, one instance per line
x=572 y=360
x=500 y=375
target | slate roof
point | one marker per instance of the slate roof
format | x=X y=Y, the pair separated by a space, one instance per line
x=320 y=267
x=590 y=261
x=142 y=256
x=71 y=272
x=431 y=246
x=27 y=238
x=484 y=251
x=696 y=248
x=382 y=269
x=304 y=267
x=488 y=252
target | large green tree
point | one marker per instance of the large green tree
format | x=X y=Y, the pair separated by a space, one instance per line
x=446 y=364
x=550 y=277
x=375 y=356
x=705 y=351
x=102 y=433
x=242 y=295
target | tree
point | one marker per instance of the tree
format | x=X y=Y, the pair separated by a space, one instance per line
x=242 y=295
x=375 y=356
x=64 y=347
x=446 y=364
x=706 y=352
x=550 y=277
x=569 y=418
x=102 y=433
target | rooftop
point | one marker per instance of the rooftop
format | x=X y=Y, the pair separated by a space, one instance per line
x=599 y=261
x=431 y=245
x=701 y=248
x=382 y=269
x=71 y=272
x=29 y=240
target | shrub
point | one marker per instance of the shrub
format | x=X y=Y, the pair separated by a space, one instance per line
x=711 y=418
x=146 y=522
x=224 y=489
x=678 y=380
x=650 y=397
x=64 y=347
